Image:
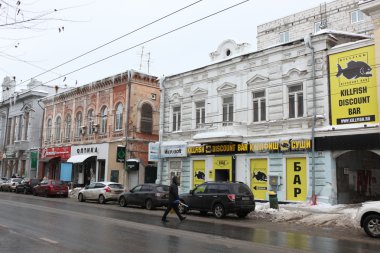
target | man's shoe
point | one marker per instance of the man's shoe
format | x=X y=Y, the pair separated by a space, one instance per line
x=183 y=218
x=165 y=220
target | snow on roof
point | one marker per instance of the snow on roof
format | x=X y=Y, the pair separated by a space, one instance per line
x=351 y=43
x=329 y=31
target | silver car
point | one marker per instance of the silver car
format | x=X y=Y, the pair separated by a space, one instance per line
x=10 y=185
x=101 y=191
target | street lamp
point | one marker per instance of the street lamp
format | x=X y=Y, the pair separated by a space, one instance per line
x=307 y=40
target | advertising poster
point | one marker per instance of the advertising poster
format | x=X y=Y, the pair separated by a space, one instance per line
x=259 y=174
x=296 y=179
x=353 y=87
x=198 y=172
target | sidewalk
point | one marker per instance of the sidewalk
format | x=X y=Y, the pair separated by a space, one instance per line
x=321 y=215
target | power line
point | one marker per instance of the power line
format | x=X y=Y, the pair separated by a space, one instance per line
x=116 y=39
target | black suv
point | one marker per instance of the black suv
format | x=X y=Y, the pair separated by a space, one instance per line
x=220 y=198
x=26 y=185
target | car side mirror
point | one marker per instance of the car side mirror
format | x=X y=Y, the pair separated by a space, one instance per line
x=191 y=192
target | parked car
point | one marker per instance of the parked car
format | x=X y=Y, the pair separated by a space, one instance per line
x=101 y=191
x=50 y=188
x=26 y=185
x=368 y=217
x=3 y=180
x=10 y=185
x=149 y=196
x=220 y=198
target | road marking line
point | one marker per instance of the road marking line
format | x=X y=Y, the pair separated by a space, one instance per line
x=48 y=240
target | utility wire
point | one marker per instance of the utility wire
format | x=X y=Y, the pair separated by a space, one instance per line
x=116 y=39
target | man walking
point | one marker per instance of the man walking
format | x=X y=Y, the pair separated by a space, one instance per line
x=173 y=200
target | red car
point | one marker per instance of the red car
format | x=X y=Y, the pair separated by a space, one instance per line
x=51 y=187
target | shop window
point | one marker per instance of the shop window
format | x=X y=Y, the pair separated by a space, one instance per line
x=175 y=170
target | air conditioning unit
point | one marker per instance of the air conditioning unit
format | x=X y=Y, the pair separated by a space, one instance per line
x=83 y=130
x=95 y=128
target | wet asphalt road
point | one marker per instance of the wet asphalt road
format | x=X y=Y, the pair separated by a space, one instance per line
x=65 y=225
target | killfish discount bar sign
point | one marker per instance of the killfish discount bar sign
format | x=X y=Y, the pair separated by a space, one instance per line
x=353 y=87
x=241 y=148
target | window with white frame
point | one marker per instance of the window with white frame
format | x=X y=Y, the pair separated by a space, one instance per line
x=58 y=128
x=284 y=36
x=259 y=106
x=68 y=127
x=175 y=170
x=103 y=115
x=90 y=122
x=119 y=117
x=176 y=118
x=357 y=16
x=228 y=111
x=200 y=114
x=320 y=25
x=295 y=93
x=48 y=130
x=26 y=124
x=78 y=124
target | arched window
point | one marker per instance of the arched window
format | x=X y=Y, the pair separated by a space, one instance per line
x=146 y=123
x=68 y=127
x=90 y=122
x=58 y=128
x=48 y=130
x=78 y=123
x=119 y=117
x=103 y=115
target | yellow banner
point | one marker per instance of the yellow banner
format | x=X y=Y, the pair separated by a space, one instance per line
x=199 y=174
x=353 y=87
x=296 y=179
x=259 y=173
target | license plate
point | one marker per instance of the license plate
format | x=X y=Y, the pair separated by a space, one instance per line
x=245 y=198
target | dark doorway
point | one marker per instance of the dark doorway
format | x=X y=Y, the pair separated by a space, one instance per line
x=222 y=175
x=150 y=174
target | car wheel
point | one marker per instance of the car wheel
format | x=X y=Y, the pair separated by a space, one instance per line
x=122 y=202
x=25 y=191
x=371 y=225
x=219 y=211
x=182 y=209
x=149 y=204
x=34 y=192
x=16 y=191
x=242 y=214
x=101 y=199
x=80 y=197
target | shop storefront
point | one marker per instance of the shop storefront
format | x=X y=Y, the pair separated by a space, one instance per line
x=50 y=161
x=282 y=166
x=89 y=163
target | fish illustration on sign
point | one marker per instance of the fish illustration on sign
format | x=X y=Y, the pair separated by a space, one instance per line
x=355 y=69
x=200 y=175
x=260 y=176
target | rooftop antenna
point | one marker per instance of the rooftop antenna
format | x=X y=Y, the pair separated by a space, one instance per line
x=141 y=57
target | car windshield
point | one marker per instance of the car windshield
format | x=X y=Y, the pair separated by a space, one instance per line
x=56 y=182
x=241 y=189
x=17 y=180
x=116 y=186
x=163 y=188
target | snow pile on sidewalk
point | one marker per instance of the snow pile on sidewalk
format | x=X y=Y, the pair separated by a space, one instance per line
x=323 y=215
x=73 y=193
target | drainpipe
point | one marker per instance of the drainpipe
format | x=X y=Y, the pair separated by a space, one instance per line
x=308 y=44
x=42 y=132
x=129 y=73
x=161 y=132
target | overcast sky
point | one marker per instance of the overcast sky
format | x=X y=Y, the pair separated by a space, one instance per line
x=29 y=48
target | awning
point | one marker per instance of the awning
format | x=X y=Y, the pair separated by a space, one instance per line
x=79 y=158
